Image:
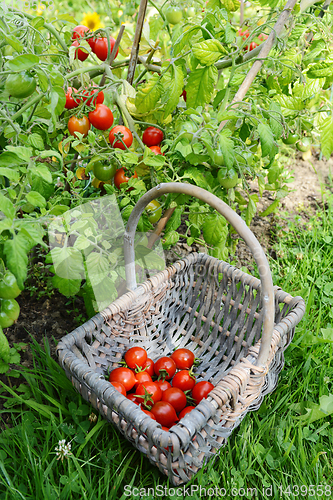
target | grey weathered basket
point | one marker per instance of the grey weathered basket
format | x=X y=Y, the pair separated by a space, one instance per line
x=225 y=316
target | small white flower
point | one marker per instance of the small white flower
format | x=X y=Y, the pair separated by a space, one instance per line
x=326 y=380
x=63 y=449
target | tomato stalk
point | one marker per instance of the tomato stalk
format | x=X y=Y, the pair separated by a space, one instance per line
x=149 y=58
x=110 y=57
x=159 y=10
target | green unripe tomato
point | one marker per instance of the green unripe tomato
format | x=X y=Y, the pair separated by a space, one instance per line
x=218 y=158
x=104 y=172
x=173 y=15
x=8 y=50
x=189 y=128
x=291 y=139
x=190 y=12
x=20 y=85
x=4 y=347
x=154 y=210
x=227 y=178
x=8 y=286
x=9 y=312
x=304 y=145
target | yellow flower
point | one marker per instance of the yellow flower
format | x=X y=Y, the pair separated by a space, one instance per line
x=92 y=21
x=40 y=9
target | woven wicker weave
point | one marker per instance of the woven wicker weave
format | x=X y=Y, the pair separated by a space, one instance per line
x=209 y=307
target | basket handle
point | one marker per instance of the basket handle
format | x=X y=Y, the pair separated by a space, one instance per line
x=267 y=293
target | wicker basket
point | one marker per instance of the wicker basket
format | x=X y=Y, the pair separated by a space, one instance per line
x=237 y=325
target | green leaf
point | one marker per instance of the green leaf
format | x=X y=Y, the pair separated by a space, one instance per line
x=326 y=130
x=197 y=175
x=7 y=207
x=8 y=159
x=320 y=70
x=290 y=104
x=251 y=208
x=14 y=42
x=171 y=238
x=22 y=62
x=16 y=251
x=200 y=86
x=65 y=286
x=98 y=267
x=266 y=139
x=227 y=147
x=230 y=33
x=42 y=79
x=214 y=229
x=22 y=152
x=41 y=170
x=36 y=199
x=309 y=90
x=36 y=141
x=197 y=214
x=149 y=94
x=175 y=220
x=270 y=209
x=11 y=174
x=219 y=251
x=208 y=51
x=175 y=88
x=68 y=263
x=184 y=39
x=275 y=119
x=230 y=5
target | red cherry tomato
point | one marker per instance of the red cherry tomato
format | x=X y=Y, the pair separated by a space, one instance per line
x=183 y=94
x=82 y=31
x=165 y=413
x=71 y=102
x=250 y=47
x=80 y=54
x=175 y=397
x=164 y=384
x=76 y=124
x=165 y=428
x=184 y=358
x=149 y=393
x=184 y=380
x=185 y=411
x=123 y=375
x=120 y=387
x=126 y=136
x=148 y=366
x=152 y=136
x=141 y=378
x=120 y=177
x=244 y=34
x=94 y=96
x=201 y=390
x=135 y=356
x=156 y=150
x=101 y=47
x=132 y=398
x=101 y=118
x=165 y=368
x=147 y=412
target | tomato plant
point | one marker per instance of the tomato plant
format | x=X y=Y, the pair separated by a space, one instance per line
x=101 y=118
x=173 y=14
x=227 y=178
x=8 y=286
x=9 y=312
x=152 y=136
x=135 y=356
x=92 y=96
x=124 y=133
x=76 y=124
x=80 y=32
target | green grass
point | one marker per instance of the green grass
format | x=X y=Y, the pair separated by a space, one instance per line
x=286 y=444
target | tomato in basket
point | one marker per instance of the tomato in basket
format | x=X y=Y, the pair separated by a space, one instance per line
x=123 y=375
x=165 y=368
x=149 y=393
x=135 y=356
x=175 y=397
x=201 y=390
x=184 y=358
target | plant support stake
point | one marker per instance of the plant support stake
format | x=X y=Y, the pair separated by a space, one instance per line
x=136 y=42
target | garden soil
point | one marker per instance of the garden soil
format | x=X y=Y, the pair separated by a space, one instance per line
x=46 y=313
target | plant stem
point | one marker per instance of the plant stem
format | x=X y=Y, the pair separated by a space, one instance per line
x=149 y=58
x=129 y=119
x=30 y=103
x=113 y=53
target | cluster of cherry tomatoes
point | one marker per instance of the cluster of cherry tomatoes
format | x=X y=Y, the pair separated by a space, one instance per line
x=245 y=35
x=162 y=388
x=98 y=45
